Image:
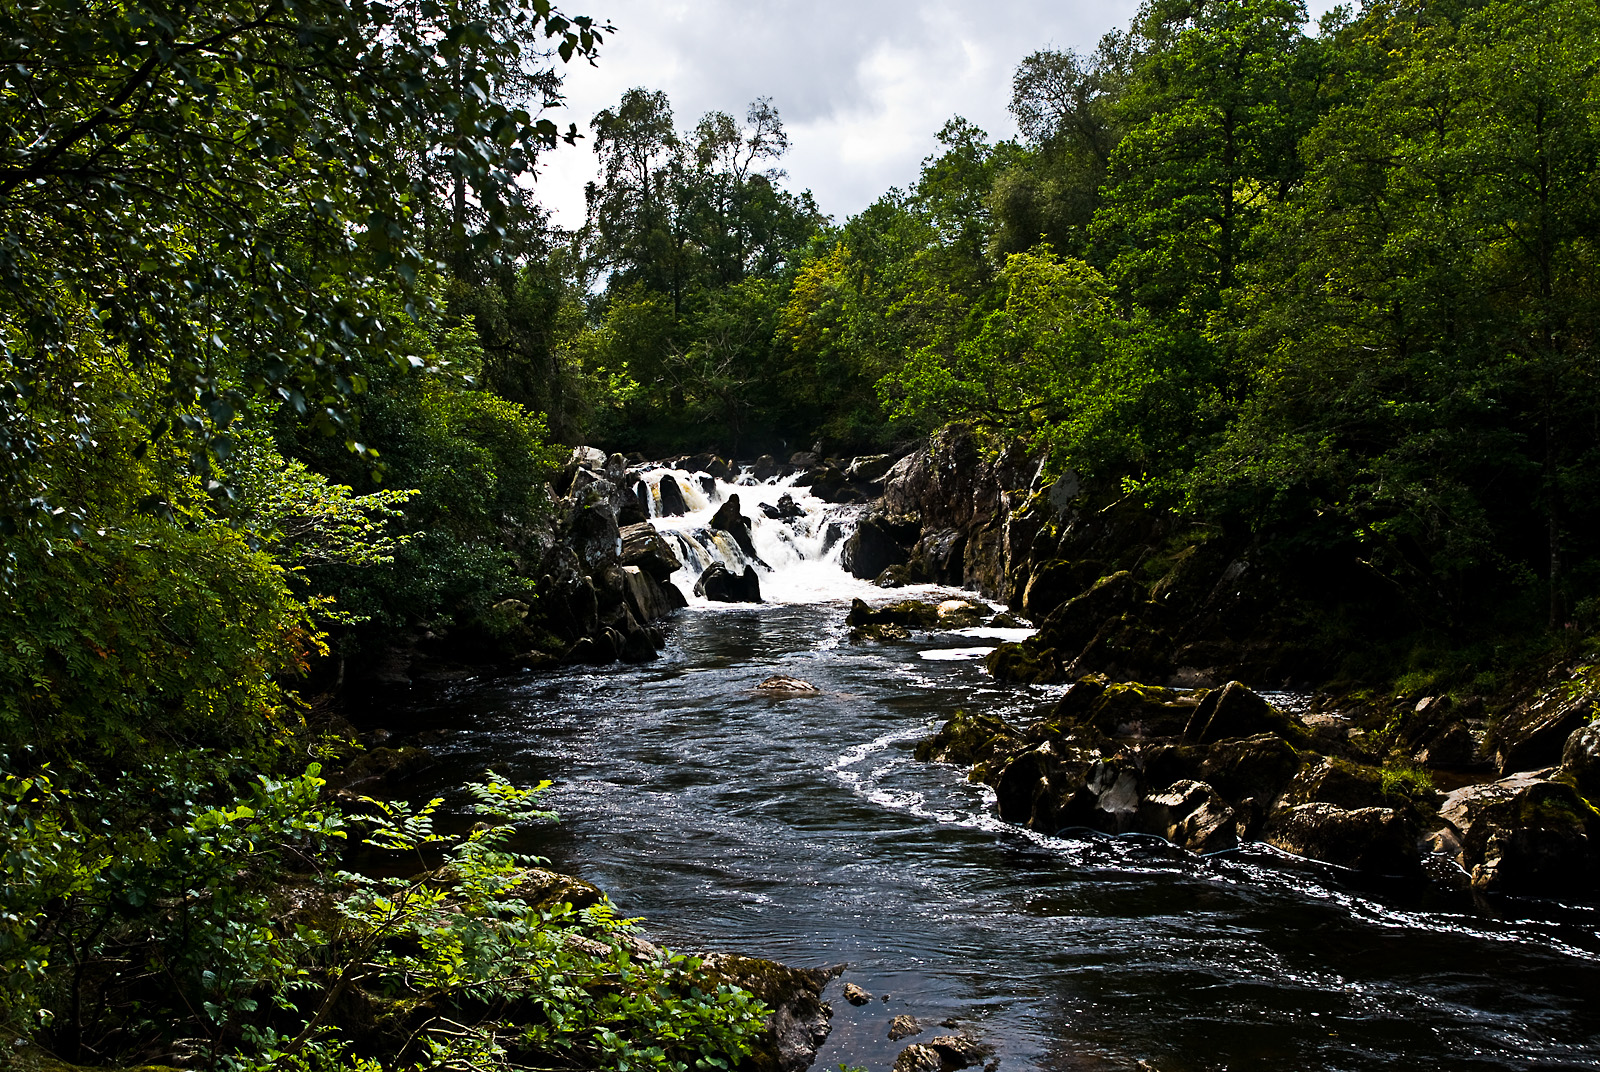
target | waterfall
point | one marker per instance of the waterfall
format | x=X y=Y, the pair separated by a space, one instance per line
x=798 y=555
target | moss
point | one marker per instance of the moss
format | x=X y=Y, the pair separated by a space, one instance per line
x=1025 y=663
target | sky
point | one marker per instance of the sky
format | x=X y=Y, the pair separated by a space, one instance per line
x=863 y=86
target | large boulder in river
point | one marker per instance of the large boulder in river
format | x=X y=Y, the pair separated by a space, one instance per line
x=1377 y=840
x=880 y=540
x=646 y=548
x=1532 y=736
x=735 y=524
x=648 y=598
x=1190 y=814
x=720 y=585
x=1523 y=834
x=908 y=612
x=669 y=497
x=593 y=534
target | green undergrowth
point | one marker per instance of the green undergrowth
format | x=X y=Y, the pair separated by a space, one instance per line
x=194 y=912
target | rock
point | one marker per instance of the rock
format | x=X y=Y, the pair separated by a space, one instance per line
x=1235 y=711
x=644 y=547
x=783 y=683
x=1531 y=737
x=880 y=540
x=766 y=468
x=1006 y=620
x=594 y=536
x=709 y=464
x=588 y=457
x=1524 y=834
x=720 y=586
x=855 y=995
x=918 y=1058
x=897 y=576
x=548 y=890
x=1190 y=814
x=940 y=557
x=1453 y=747
x=804 y=459
x=1052 y=585
x=1377 y=840
x=1064 y=633
x=669 y=497
x=1339 y=782
x=649 y=599
x=869 y=467
x=1580 y=760
x=735 y=524
x=888 y=631
x=961 y=613
x=770 y=511
x=967 y=738
x=799 y=1020
x=957 y=1051
x=903 y=1026
x=1254 y=769
x=788 y=509
x=909 y=612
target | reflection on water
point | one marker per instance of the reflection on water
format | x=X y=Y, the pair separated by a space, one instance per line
x=801 y=829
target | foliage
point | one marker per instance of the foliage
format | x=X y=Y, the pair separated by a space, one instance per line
x=186 y=887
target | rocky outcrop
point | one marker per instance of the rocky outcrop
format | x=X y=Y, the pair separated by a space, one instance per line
x=720 y=585
x=729 y=519
x=799 y=1022
x=1580 y=761
x=644 y=547
x=1522 y=834
x=1532 y=735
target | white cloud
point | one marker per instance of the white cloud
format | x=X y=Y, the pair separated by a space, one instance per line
x=862 y=86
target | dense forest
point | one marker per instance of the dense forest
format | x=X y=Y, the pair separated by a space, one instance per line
x=291 y=350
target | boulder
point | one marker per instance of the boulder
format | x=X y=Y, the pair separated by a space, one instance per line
x=709 y=464
x=1250 y=769
x=644 y=547
x=1337 y=781
x=766 y=468
x=887 y=631
x=721 y=586
x=1071 y=626
x=869 y=467
x=967 y=738
x=788 y=509
x=637 y=646
x=588 y=457
x=855 y=995
x=880 y=540
x=903 y=1026
x=957 y=1051
x=593 y=534
x=1532 y=736
x=1052 y=585
x=961 y=613
x=909 y=612
x=918 y=1058
x=1190 y=814
x=649 y=599
x=1580 y=761
x=800 y=1018
x=1235 y=711
x=940 y=557
x=804 y=460
x=669 y=497
x=784 y=684
x=1377 y=840
x=735 y=524
x=1524 y=834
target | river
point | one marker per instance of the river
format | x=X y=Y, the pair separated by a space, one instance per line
x=802 y=829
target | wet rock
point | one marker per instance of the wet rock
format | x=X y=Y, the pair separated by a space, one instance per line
x=766 y=468
x=637 y=644
x=380 y=770
x=967 y=738
x=1053 y=584
x=784 y=684
x=804 y=460
x=644 y=547
x=880 y=540
x=669 y=497
x=894 y=577
x=940 y=557
x=1580 y=760
x=1255 y=769
x=1524 y=834
x=735 y=524
x=1065 y=633
x=770 y=510
x=548 y=890
x=909 y=612
x=918 y=1058
x=883 y=632
x=1532 y=736
x=1235 y=711
x=588 y=457
x=855 y=995
x=1190 y=814
x=1376 y=840
x=721 y=586
x=593 y=535
x=649 y=599
x=1006 y=620
x=788 y=509
x=961 y=613
x=869 y=467
x=957 y=1051
x=903 y=1026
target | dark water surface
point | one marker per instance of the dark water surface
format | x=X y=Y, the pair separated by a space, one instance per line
x=801 y=829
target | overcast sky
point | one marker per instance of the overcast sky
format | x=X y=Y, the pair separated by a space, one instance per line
x=862 y=85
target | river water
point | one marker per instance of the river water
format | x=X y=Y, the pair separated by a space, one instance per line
x=802 y=829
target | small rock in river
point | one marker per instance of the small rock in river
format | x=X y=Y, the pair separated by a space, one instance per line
x=903 y=1026
x=785 y=683
x=918 y=1058
x=855 y=995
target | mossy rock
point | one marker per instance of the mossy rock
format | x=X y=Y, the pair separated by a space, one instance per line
x=968 y=738
x=907 y=612
x=1024 y=663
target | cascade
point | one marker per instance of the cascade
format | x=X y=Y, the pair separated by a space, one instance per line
x=797 y=557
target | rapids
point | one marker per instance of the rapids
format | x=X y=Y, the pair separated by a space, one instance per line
x=802 y=829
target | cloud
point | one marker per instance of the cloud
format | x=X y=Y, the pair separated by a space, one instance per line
x=863 y=87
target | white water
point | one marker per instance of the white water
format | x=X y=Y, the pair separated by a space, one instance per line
x=799 y=557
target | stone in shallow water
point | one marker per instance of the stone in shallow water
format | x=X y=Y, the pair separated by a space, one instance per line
x=785 y=683
x=903 y=1026
x=855 y=995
